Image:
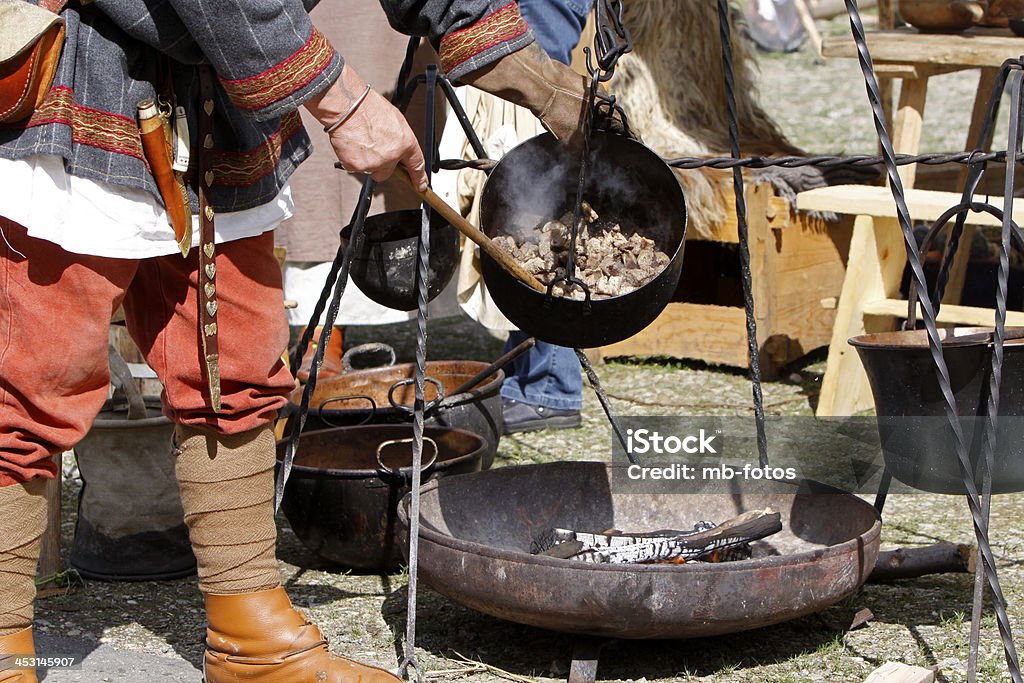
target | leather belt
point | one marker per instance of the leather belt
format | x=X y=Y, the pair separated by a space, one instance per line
x=207 y=276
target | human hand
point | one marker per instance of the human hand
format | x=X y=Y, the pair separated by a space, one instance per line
x=375 y=137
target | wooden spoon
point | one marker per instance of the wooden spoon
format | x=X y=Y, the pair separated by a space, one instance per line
x=470 y=231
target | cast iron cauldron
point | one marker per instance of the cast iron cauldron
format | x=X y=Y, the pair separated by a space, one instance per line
x=342 y=502
x=361 y=396
x=627 y=181
x=476 y=531
x=920 y=452
x=384 y=267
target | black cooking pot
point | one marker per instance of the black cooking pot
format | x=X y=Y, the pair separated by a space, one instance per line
x=342 y=495
x=626 y=182
x=384 y=265
x=917 y=442
x=367 y=397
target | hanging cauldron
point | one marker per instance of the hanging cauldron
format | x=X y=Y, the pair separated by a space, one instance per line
x=385 y=395
x=626 y=182
x=917 y=444
x=342 y=496
x=385 y=263
x=476 y=532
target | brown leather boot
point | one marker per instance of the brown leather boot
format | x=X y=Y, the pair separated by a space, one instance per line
x=332 y=356
x=19 y=643
x=261 y=637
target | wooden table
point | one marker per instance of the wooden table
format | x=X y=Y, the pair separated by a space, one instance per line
x=877 y=254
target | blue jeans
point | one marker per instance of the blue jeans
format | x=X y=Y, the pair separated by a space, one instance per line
x=546 y=375
x=557 y=24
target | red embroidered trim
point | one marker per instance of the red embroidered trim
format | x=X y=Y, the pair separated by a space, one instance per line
x=497 y=27
x=90 y=127
x=240 y=169
x=287 y=77
x=120 y=135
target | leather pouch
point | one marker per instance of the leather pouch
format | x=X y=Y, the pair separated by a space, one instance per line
x=31 y=39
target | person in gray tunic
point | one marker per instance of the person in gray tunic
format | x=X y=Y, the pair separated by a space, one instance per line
x=86 y=231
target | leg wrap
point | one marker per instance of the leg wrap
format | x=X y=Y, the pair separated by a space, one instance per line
x=22 y=523
x=227 y=492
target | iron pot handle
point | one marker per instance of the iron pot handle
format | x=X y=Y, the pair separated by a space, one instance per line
x=409 y=409
x=398 y=472
x=369 y=418
x=367 y=349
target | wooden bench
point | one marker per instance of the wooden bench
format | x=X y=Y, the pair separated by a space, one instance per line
x=869 y=300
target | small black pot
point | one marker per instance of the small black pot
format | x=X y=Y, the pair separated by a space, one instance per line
x=343 y=506
x=916 y=440
x=384 y=266
x=627 y=181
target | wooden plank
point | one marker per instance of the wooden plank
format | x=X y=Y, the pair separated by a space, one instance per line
x=813 y=35
x=876 y=201
x=778 y=213
x=972 y=48
x=898 y=672
x=711 y=333
x=901 y=70
x=886 y=14
x=886 y=21
x=906 y=135
x=948 y=313
x=958 y=269
x=810 y=265
x=873 y=272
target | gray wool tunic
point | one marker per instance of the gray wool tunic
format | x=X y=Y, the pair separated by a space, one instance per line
x=268 y=58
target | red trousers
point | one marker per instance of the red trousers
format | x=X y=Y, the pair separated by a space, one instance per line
x=55 y=311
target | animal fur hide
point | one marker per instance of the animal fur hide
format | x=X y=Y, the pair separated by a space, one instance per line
x=673 y=91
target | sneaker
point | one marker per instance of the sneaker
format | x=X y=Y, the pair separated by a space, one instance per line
x=525 y=417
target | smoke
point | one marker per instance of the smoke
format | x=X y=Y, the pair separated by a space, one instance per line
x=537 y=181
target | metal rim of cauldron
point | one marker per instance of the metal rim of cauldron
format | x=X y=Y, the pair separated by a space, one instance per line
x=444 y=250
x=492 y=383
x=300 y=471
x=607 y=317
x=153 y=404
x=917 y=340
x=439 y=538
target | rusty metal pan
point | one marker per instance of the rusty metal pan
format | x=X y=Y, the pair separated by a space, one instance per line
x=476 y=530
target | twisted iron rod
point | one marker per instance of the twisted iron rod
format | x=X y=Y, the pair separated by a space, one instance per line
x=934 y=341
x=753 y=346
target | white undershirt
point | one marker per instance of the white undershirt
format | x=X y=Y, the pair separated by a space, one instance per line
x=101 y=219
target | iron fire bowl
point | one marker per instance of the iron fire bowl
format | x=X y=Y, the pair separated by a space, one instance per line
x=476 y=529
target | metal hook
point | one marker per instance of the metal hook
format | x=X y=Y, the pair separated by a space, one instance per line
x=569 y=281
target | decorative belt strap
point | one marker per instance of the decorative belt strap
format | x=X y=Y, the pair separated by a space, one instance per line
x=207 y=276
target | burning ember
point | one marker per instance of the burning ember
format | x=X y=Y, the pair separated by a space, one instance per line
x=706 y=542
x=611 y=258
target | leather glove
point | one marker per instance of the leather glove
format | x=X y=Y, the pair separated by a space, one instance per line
x=555 y=93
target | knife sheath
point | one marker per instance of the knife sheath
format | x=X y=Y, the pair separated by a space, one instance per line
x=157 y=149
